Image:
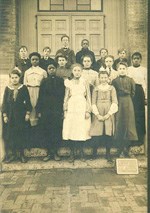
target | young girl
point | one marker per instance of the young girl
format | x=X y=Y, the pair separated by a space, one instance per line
x=88 y=74
x=32 y=79
x=50 y=109
x=125 y=118
x=139 y=75
x=104 y=106
x=77 y=108
x=16 y=110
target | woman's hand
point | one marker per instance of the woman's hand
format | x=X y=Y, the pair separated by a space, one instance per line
x=87 y=115
x=5 y=119
x=27 y=117
x=100 y=118
x=106 y=116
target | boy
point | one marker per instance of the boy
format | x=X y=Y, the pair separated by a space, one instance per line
x=122 y=58
x=46 y=60
x=62 y=70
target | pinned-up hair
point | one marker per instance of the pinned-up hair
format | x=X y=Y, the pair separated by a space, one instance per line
x=60 y=55
x=88 y=56
x=15 y=72
x=122 y=63
x=103 y=49
x=137 y=54
x=103 y=73
x=76 y=65
x=65 y=36
x=23 y=47
x=35 y=54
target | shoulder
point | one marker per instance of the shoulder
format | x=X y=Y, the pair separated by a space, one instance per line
x=67 y=83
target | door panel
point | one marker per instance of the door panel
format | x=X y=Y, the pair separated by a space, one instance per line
x=89 y=27
x=50 y=29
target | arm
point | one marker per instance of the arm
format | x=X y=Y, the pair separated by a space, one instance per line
x=28 y=104
x=114 y=106
x=132 y=87
x=4 y=106
x=40 y=98
x=88 y=98
x=94 y=100
x=66 y=98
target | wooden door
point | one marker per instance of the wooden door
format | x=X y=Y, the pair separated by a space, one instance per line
x=89 y=27
x=50 y=29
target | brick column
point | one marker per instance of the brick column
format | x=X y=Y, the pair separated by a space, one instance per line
x=9 y=34
x=137 y=16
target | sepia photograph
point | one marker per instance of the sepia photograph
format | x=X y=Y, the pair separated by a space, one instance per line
x=73 y=106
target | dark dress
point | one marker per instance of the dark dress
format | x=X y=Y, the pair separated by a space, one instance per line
x=50 y=105
x=99 y=63
x=44 y=63
x=23 y=65
x=125 y=118
x=82 y=53
x=71 y=59
x=15 y=132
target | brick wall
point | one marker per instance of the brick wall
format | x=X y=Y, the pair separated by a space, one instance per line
x=7 y=35
x=137 y=16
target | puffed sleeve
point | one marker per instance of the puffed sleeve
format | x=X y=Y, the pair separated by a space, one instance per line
x=67 y=94
x=132 y=87
x=39 y=104
x=45 y=74
x=4 y=103
x=27 y=100
x=114 y=106
x=88 y=98
x=94 y=100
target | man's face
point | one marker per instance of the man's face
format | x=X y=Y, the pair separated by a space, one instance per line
x=122 y=54
x=109 y=62
x=65 y=42
x=46 y=52
x=85 y=44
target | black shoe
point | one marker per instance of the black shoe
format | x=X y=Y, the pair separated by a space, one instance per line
x=57 y=158
x=9 y=159
x=47 y=158
x=23 y=159
x=126 y=154
x=71 y=159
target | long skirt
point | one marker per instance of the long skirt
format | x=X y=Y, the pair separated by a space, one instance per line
x=125 y=120
x=139 y=108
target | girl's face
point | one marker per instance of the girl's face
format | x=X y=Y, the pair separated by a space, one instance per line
x=103 y=78
x=109 y=62
x=122 y=54
x=77 y=72
x=62 y=61
x=14 y=79
x=136 y=60
x=87 y=62
x=46 y=52
x=103 y=53
x=35 y=60
x=122 y=69
x=23 y=53
x=51 y=69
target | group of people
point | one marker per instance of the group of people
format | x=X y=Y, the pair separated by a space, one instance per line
x=74 y=99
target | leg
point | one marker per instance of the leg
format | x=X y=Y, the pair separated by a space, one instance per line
x=108 y=140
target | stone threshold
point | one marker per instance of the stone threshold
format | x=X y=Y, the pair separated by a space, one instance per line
x=38 y=164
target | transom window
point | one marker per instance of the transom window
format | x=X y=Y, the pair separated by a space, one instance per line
x=70 y=5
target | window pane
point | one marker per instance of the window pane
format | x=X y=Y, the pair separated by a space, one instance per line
x=83 y=7
x=44 y=4
x=70 y=5
x=83 y=1
x=56 y=1
x=96 y=5
x=57 y=7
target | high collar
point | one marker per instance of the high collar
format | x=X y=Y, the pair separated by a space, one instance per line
x=136 y=66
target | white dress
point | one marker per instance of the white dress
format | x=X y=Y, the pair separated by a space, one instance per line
x=76 y=103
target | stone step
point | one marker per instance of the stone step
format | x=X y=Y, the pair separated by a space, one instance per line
x=36 y=163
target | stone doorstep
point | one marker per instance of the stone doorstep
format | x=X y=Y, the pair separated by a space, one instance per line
x=36 y=163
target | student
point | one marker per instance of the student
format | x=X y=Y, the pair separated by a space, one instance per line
x=109 y=60
x=16 y=110
x=122 y=53
x=50 y=110
x=32 y=79
x=62 y=71
x=88 y=74
x=85 y=51
x=139 y=75
x=46 y=60
x=104 y=106
x=66 y=51
x=77 y=109
x=101 y=62
x=125 y=118
x=23 y=62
